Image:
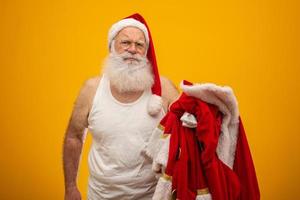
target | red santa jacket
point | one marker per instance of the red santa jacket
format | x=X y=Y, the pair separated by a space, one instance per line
x=193 y=164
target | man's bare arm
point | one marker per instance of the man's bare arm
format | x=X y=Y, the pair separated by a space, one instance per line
x=73 y=140
x=169 y=92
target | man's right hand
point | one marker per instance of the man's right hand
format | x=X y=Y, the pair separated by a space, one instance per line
x=72 y=194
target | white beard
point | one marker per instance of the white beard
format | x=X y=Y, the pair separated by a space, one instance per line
x=128 y=75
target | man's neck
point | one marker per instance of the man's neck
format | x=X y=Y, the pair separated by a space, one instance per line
x=125 y=97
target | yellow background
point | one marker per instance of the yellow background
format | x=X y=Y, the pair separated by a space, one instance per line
x=48 y=48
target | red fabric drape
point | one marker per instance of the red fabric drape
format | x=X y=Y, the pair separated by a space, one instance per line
x=193 y=162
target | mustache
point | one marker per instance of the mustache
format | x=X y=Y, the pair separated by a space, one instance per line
x=126 y=56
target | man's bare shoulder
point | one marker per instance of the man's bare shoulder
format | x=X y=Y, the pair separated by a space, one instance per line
x=82 y=105
x=169 y=90
x=92 y=83
x=87 y=91
x=167 y=84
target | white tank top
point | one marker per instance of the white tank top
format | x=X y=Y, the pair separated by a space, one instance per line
x=120 y=131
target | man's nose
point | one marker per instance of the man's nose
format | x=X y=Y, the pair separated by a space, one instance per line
x=132 y=48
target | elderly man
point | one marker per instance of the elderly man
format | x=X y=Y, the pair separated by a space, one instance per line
x=120 y=108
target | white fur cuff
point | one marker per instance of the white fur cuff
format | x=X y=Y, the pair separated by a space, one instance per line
x=163 y=189
x=204 y=197
x=155 y=143
x=188 y=120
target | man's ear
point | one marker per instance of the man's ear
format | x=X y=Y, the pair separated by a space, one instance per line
x=112 y=46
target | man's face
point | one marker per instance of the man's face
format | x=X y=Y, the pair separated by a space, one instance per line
x=127 y=66
x=131 y=40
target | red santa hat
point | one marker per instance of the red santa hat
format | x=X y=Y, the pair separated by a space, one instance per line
x=136 y=20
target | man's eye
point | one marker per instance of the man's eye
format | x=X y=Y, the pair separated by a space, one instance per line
x=125 y=42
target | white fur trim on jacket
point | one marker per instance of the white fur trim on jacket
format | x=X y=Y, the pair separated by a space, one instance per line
x=163 y=190
x=188 y=120
x=204 y=197
x=157 y=149
x=118 y=26
x=161 y=158
x=224 y=98
x=155 y=143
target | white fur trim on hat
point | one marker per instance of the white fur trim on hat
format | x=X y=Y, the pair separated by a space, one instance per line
x=115 y=28
x=154 y=104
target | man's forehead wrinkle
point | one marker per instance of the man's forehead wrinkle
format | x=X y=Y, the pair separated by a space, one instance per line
x=122 y=33
x=128 y=35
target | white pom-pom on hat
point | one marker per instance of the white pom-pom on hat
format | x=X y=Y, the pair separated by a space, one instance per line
x=155 y=105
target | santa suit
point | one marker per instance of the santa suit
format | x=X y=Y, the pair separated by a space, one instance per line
x=207 y=156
